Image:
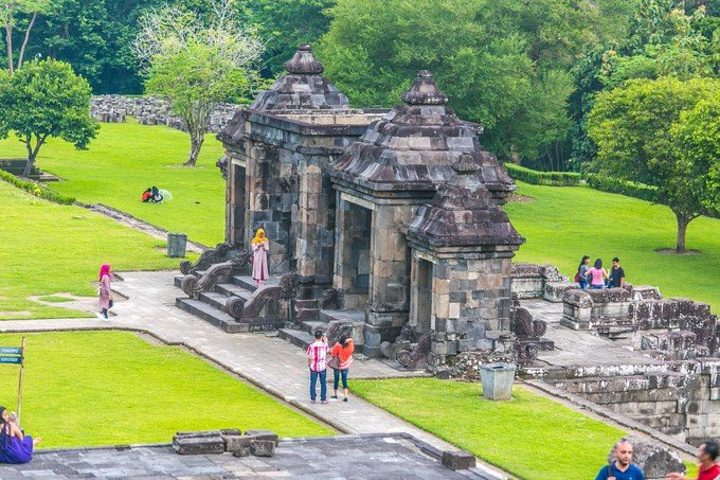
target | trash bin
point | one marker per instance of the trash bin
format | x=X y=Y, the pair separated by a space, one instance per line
x=176 y=243
x=497 y=380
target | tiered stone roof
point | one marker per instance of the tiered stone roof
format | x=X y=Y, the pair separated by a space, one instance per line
x=303 y=88
x=413 y=147
x=463 y=213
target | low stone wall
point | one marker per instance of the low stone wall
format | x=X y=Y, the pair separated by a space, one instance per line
x=538 y=281
x=151 y=111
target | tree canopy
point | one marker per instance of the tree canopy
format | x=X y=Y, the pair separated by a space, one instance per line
x=664 y=133
x=195 y=62
x=45 y=99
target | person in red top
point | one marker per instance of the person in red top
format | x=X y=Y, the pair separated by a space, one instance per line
x=343 y=350
x=707 y=454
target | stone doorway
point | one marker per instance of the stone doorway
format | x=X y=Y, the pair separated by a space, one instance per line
x=421 y=296
x=235 y=215
x=353 y=265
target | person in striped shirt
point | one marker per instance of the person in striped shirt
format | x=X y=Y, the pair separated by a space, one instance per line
x=316 y=354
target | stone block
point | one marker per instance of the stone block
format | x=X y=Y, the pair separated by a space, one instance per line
x=198 y=443
x=554 y=291
x=242 y=452
x=231 y=438
x=263 y=435
x=459 y=460
x=262 y=448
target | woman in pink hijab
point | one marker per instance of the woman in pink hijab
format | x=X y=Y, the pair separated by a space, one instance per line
x=104 y=289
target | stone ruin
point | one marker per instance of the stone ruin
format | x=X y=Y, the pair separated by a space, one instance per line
x=151 y=111
x=388 y=221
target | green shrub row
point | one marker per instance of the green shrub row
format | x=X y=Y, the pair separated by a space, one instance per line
x=557 y=179
x=629 y=189
x=36 y=189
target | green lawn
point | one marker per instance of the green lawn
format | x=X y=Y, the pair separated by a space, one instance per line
x=531 y=437
x=110 y=388
x=124 y=160
x=565 y=223
x=47 y=248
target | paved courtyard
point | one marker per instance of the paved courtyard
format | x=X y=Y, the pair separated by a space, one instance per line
x=268 y=362
x=365 y=457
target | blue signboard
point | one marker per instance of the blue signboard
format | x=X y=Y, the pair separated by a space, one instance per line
x=10 y=350
x=6 y=359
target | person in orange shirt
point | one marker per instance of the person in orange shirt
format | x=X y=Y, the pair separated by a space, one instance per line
x=343 y=350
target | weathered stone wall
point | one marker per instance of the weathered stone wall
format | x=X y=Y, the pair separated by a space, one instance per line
x=538 y=281
x=151 y=111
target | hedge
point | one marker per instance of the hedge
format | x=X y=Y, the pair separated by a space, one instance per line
x=623 y=187
x=557 y=179
x=36 y=189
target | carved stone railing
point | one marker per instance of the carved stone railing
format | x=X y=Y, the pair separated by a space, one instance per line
x=217 y=273
x=241 y=311
x=221 y=253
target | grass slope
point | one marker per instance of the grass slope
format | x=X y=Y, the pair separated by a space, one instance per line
x=111 y=388
x=124 y=160
x=531 y=437
x=565 y=223
x=47 y=248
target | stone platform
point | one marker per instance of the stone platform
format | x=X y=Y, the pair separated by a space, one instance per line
x=381 y=456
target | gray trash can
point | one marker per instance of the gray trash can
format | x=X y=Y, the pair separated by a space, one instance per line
x=176 y=243
x=497 y=380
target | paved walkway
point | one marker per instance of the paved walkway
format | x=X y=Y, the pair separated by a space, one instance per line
x=268 y=362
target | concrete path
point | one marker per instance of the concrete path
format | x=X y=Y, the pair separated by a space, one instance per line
x=267 y=362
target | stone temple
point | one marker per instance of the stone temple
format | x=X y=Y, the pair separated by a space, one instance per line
x=385 y=224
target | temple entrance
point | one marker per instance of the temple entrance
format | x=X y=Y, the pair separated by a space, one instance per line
x=353 y=266
x=421 y=295
x=236 y=205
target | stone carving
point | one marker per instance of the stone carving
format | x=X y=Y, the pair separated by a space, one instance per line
x=417 y=358
x=329 y=299
x=239 y=310
x=207 y=258
x=529 y=332
x=219 y=272
x=402 y=342
x=338 y=329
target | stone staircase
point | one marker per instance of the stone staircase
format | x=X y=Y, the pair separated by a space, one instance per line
x=301 y=334
x=212 y=305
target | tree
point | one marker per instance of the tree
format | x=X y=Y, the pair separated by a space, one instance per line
x=195 y=62
x=503 y=63
x=10 y=10
x=46 y=99
x=663 y=133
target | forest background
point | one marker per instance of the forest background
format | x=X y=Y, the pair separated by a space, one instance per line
x=529 y=72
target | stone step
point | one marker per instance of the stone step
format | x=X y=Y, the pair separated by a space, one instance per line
x=626 y=383
x=204 y=311
x=327 y=316
x=230 y=289
x=298 y=338
x=248 y=283
x=306 y=304
x=310 y=327
x=214 y=299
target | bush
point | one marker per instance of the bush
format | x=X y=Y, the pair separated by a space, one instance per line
x=557 y=179
x=623 y=187
x=36 y=189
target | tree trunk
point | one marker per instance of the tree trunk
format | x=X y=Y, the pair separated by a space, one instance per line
x=682 y=223
x=196 y=141
x=25 y=41
x=8 y=44
x=32 y=153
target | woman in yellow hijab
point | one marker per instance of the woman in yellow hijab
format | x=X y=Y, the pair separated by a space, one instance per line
x=260 y=246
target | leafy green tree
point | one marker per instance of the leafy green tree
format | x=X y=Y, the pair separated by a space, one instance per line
x=46 y=99
x=284 y=24
x=503 y=63
x=662 y=133
x=10 y=10
x=196 y=62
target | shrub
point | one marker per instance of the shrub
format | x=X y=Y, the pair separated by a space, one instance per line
x=623 y=187
x=36 y=189
x=557 y=179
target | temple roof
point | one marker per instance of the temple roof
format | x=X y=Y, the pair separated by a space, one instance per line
x=303 y=88
x=414 y=146
x=463 y=213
